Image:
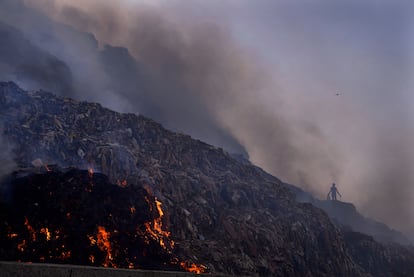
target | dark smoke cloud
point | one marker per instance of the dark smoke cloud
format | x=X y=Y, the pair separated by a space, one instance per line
x=27 y=64
x=167 y=78
x=185 y=66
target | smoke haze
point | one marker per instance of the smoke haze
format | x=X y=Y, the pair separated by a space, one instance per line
x=255 y=78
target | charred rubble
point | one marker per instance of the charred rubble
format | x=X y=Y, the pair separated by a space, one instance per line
x=204 y=209
x=79 y=217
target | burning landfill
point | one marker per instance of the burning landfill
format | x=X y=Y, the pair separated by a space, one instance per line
x=96 y=187
x=78 y=217
x=65 y=215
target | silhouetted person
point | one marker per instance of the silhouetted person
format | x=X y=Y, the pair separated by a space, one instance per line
x=333 y=191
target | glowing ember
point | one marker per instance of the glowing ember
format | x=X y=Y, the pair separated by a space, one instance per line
x=92 y=259
x=92 y=240
x=193 y=268
x=64 y=255
x=90 y=172
x=13 y=235
x=47 y=168
x=163 y=237
x=122 y=183
x=46 y=232
x=30 y=229
x=103 y=243
x=159 y=207
x=91 y=185
x=21 y=246
x=156 y=232
x=128 y=236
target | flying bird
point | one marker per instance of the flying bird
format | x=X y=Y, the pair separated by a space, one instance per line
x=338 y=93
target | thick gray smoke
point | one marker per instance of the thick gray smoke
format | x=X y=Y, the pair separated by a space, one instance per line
x=263 y=81
x=29 y=65
x=363 y=51
x=175 y=76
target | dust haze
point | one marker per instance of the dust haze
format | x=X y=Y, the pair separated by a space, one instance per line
x=254 y=78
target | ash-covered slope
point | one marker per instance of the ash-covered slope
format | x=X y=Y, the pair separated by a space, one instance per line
x=229 y=216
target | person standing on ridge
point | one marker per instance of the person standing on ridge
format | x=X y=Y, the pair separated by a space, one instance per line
x=333 y=191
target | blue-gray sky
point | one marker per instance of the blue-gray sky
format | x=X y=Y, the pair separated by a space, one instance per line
x=263 y=76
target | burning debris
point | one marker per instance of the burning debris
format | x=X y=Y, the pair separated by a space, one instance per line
x=52 y=218
x=155 y=199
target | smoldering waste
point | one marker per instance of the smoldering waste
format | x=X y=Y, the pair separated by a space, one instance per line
x=168 y=201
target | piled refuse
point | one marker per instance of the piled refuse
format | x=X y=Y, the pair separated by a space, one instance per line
x=218 y=214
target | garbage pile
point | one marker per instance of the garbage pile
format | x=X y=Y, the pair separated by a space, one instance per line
x=79 y=217
x=209 y=211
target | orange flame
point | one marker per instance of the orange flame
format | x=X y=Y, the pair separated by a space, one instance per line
x=163 y=237
x=104 y=244
x=91 y=258
x=12 y=235
x=156 y=231
x=46 y=232
x=159 y=207
x=132 y=209
x=193 y=268
x=64 y=255
x=92 y=240
x=21 y=246
x=30 y=229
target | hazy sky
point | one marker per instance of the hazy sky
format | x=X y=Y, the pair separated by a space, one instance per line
x=262 y=77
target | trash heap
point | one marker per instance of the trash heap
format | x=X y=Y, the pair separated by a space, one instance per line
x=217 y=214
x=77 y=217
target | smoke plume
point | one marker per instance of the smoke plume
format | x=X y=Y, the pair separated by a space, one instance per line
x=254 y=78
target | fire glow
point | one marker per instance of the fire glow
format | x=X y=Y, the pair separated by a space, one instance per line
x=88 y=227
x=154 y=229
x=46 y=232
x=103 y=243
x=193 y=268
x=122 y=183
x=39 y=235
x=90 y=172
x=30 y=229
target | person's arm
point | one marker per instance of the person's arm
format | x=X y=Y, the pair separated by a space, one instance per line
x=338 y=193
